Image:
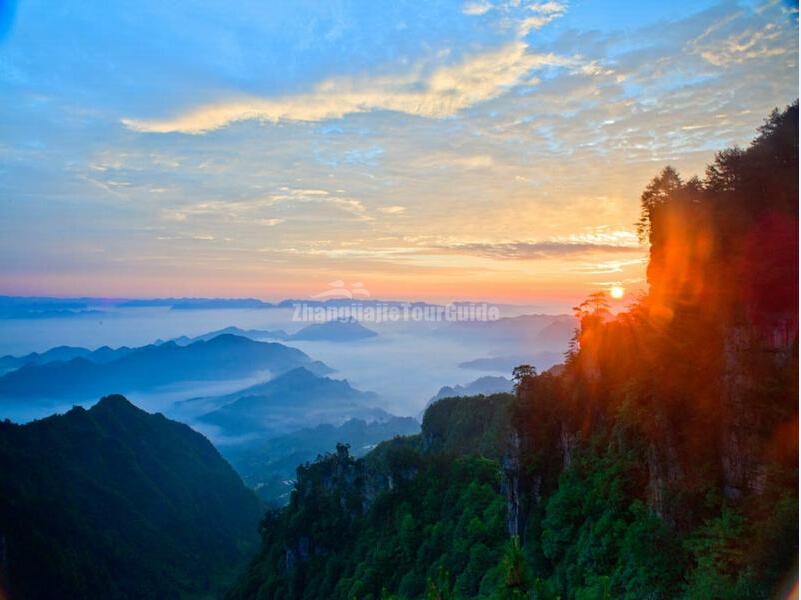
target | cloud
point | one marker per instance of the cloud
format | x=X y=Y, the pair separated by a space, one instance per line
x=544 y=13
x=434 y=93
x=449 y=160
x=535 y=250
x=610 y=266
x=521 y=17
x=392 y=210
x=262 y=210
x=741 y=46
x=475 y=9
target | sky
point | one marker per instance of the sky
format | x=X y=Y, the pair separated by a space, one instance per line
x=486 y=150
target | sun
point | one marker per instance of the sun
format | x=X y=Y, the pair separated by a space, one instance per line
x=617 y=292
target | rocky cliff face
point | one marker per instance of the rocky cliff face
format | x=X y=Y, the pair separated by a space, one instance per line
x=756 y=359
x=512 y=487
x=340 y=489
x=702 y=400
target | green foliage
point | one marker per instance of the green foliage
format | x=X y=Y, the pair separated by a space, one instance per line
x=625 y=470
x=514 y=571
x=113 y=502
x=462 y=425
x=600 y=538
x=434 y=531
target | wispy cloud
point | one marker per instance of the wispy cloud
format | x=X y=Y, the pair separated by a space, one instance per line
x=475 y=9
x=392 y=210
x=432 y=88
x=520 y=16
x=423 y=91
x=519 y=141
x=536 y=250
x=739 y=47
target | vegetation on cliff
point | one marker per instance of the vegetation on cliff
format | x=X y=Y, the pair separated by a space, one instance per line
x=660 y=462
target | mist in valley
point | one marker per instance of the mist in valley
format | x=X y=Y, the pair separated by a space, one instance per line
x=405 y=364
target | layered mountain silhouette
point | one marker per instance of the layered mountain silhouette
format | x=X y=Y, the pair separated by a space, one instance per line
x=337 y=330
x=482 y=386
x=542 y=332
x=253 y=334
x=542 y=360
x=62 y=353
x=224 y=357
x=294 y=400
x=113 y=502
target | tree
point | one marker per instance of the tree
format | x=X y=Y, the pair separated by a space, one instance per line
x=514 y=570
x=521 y=374
x=658 y=192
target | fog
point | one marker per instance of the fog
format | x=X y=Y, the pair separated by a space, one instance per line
x=405 y=364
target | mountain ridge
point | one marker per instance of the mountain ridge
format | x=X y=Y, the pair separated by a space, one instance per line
x=94 y=501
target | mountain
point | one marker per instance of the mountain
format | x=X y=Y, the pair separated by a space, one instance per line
x=482 y=386
x=113 y=502
x=253 y=334
x=557 y=334
x=224 y=357
x=269 y=466
x=103 y=354
x=659 y=461
x=59 y=353
x=411 y=512
x=338 y=330
x=540 y=332
x=294 y=400
x=542 y=360
x=217 y=303
x=16 y=307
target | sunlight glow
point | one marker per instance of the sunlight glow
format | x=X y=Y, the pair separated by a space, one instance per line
x=617 y=292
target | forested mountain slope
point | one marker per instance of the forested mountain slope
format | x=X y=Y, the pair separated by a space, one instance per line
x=113 y=502
x=661 y=462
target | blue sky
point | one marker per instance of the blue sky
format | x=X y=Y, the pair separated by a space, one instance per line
x=481 y=149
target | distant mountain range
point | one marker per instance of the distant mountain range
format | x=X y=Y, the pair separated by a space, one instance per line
x=539 y=332
x=542 y=360
x=195 y=303
x=292 y=401
x=113 y=502
x=253 y=334
x=14 y=307
x=483 y=385
x=224 y=357
x=103 y=354
x=269 y=466
x=37 y=307
x=338 y=330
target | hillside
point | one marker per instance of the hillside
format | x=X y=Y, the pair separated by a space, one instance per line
x=269 y=465
x=394 y=518
x=113 y=502
x=661 y=461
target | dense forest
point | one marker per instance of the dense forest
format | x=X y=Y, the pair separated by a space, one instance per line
x=660 y=461
x=113 y=502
